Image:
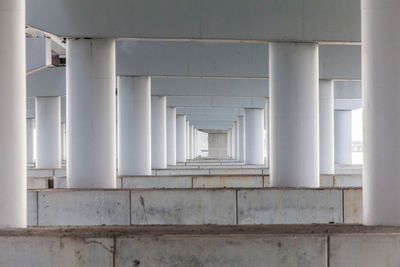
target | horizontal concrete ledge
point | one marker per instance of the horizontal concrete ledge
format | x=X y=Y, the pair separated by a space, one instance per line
x=197 y=181
x=279 y=245
x=194 y=206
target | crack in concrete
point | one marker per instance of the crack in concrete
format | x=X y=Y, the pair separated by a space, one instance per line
x=144 y=209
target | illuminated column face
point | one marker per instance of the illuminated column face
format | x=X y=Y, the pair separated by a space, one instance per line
x=48 y=132
x=12 y=114
x=63 y=141
x=294 y=114
x=30 y=140
x=180 y=138
x=91 y=124
x=266 y=132
x=326 y=127
x=343 y=136
x=242 y=148
x=171 y=135
x=254 y=134
x=381 y=110
x=134 y=126
x=159 y=132
x=187 y=140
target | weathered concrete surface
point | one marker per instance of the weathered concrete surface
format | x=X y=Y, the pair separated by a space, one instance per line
x=236 y=171
x=182 y=172
x=83 y=207
x=183 y=206
x=38 y=182
x=40 y=172
x=227 y=181
x=60 y=172
x=352 y=208
x=32 y=211
x=326 y=180
x=219 y=251
x=55 y=251
x=156 y=182
x=202 y=245
x=364 y=250
x=194 y=206
x=267 y=181
x=350 y=180
x=60 y=182
x=289 y=206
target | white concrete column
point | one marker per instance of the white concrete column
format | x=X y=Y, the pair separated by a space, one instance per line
x=196 y=141
x=180 y=138
x=12 y=114
x=63 y=141
x=159 y=132
x=266 y=132
x=48 y=132
x=326 y=127
x=190 y=141
x=294 y=114
x=187 y=140
x=30 y=140
x=229 y=143
x=254 y=134
x=91 y=138
x=171 y=135
x=381 y=94
x=242 y=146
x=343 y=137
x=134 y=126
x=236 y=139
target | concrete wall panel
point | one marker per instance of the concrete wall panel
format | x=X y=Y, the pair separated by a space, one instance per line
x=183 y=207
x=83 y=207
x=55 y=251
x=157 y=182
x=222 y=250
x=280 y=206
x=227 y=181
x=364 y=250
x=352 y=208
x=32 y=211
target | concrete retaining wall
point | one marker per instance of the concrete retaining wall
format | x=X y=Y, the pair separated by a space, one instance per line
x=217 y=179
x=297 y=246
x=193 y=206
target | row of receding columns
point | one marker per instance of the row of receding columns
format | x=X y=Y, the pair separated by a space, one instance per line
x=293 y=106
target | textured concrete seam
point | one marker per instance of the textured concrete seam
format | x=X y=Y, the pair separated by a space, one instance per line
x=115 y=248
x=328 y=240
x=343 y=215
x=37 y=208
x=130 y=207
x=236 y=208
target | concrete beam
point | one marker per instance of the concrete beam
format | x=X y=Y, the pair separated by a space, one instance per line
x=224 y=59
x=209 y=111
x=348 y=89
x=254 y=20
x=212 y=117
x=184 y=86
x=348 y=104
x=46 y=82
x=38 y=53
x=217 y=101
x=214 y=125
